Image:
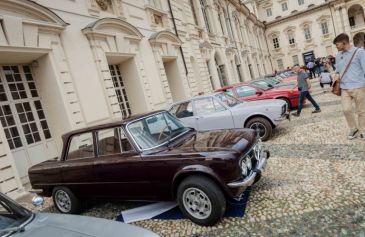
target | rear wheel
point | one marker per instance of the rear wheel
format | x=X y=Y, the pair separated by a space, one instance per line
x=262 y=126
x=65 y=201
x=201 y=200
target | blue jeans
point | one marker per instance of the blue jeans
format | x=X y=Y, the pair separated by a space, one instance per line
x=303 y=95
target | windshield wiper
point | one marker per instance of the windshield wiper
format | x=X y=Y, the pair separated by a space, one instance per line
x=13 y=229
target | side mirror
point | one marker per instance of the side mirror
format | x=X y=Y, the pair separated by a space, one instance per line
x=37 y=201
x=259 y=93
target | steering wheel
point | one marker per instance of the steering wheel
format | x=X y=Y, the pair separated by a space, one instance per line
x=161 y=133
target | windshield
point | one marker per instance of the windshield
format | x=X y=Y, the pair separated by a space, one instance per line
x=228 y=99
x=155 y=130
x=12 y=215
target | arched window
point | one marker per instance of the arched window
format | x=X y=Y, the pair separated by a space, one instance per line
x=228 y=24
x=193 y=12
x=203 y=6
x=221 y=19
x=307 y=33
x=291 y=37
x=275 y=41
x=239 y=30
x=324 y=27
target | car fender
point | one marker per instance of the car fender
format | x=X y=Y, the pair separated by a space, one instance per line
x=196 y=170
x=242 y=120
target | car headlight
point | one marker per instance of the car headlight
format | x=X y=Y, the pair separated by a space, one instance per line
x=248 y=162
x=244 y=170
x=257 y=149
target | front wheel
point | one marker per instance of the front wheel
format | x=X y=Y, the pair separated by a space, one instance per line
x=65 y=201
x=262 y=126
x=201 y=200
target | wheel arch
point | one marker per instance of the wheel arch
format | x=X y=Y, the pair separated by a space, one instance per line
x=287 y=99
x=197 y=171
x=260 y=116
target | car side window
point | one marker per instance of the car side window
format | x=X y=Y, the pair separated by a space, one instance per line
x=218 y=106
x=81 y=146
x=112 y=141
x=244 y=91
x=182 y=110
x=204 y=106
x=230 y=91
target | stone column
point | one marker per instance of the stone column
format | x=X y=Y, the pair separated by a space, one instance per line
x=346 y=23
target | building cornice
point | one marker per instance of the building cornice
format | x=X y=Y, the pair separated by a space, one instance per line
x=241 y=7
x=301 y=13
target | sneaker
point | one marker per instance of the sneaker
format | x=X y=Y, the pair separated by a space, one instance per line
x=295 y=114
x=362 y=135
x=316 y=111
x=353 y=134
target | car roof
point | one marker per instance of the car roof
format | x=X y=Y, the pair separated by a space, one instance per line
x=115 y=122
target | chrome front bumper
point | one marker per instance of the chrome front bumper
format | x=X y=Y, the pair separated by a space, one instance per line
x=283 y=117
x=250 y=179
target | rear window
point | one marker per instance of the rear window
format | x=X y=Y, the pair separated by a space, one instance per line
x=81 y=146
x=244 y=91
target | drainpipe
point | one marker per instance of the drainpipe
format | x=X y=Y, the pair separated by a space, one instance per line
x=177 y=34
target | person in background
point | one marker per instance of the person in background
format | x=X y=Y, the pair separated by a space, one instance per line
x=311 y=67
x=325 y=79
x=304 y=85
x=352 y=83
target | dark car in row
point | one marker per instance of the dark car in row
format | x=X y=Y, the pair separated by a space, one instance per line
x=153 y=157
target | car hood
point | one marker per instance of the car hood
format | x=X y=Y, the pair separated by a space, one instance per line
x=57 y=225
x=261 y=103
x=230 y=140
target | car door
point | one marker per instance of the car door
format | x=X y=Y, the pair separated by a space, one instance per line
x=77 y=169
x=118 y=166
x=184 y=112
x=211 y=114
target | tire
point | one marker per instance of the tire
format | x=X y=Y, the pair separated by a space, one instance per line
x=287 y=101
x=65 y=201
x=204 y=188
x=263 y=124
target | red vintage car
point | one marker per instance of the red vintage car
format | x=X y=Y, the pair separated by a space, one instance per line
x=250 y=92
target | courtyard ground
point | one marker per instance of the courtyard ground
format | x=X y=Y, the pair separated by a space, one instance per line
x=314 y=184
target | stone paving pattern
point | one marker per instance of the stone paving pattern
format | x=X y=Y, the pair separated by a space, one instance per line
x=314 y=184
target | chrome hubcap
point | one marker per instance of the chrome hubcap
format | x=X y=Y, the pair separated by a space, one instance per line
x=260 y=128
x=63 y=201
x=197 y=203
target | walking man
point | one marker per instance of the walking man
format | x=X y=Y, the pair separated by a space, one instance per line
x=352 y=83
x=304 y=85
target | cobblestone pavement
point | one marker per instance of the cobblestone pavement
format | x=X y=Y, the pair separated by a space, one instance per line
x=314 y=184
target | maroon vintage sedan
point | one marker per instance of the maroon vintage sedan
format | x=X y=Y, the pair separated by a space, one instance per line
x=153 y=157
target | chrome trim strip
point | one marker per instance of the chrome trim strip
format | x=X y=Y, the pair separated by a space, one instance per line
x=283 y=117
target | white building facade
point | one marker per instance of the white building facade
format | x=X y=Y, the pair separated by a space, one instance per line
x=67 y=64
x=300 y=30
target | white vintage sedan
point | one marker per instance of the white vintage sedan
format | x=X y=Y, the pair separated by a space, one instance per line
x=220 y=111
